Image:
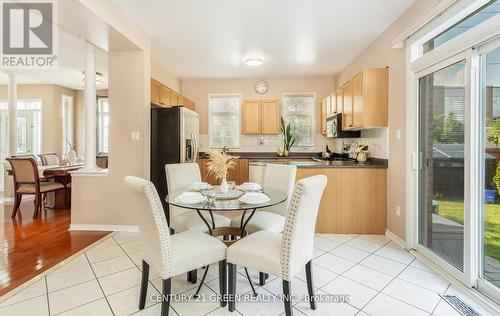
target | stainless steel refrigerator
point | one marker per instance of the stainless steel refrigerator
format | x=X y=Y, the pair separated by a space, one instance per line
x=174 y=139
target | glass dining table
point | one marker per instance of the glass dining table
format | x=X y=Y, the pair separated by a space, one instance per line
x=226 y=203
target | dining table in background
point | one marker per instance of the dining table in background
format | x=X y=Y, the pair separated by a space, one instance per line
x=60 y=199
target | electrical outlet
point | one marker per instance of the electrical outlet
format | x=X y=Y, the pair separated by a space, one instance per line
x=135 y=136
x=398 y=211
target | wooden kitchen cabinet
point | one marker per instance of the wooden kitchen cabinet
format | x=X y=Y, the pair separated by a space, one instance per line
x=354 y=200
x=163 y=96
x=339 y=96
x=261 y=117
x=270 y=117
x=239 y=174
x=366 y=103
x=155 y=92
x=324 y=115
x=357 y=100
x=252 y=117
x=333 y=104
x=347 y=106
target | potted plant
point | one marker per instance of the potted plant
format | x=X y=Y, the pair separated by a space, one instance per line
x=288 y=136
x=219 y=165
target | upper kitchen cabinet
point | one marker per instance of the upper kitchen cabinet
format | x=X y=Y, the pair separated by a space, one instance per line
x=324 y=115
x=347 y=119
x=252 y=117
x=339 y=97
x=367 y=103
x=261 y=117
x=270 y=117
x=155 y=92
x=163 y=96
x=333 y=104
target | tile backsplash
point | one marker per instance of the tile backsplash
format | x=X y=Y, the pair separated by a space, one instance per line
x=266 y=143
x=376 y=139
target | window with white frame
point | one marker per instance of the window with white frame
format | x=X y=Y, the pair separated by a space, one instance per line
x=29 y=125
x=102 y=124
x=298 y=110
x=224 y=120
x=490 y=9
x=67 y=120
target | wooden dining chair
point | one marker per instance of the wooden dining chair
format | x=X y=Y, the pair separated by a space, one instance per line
x=27 y=182
x=170 y=255
x=49 y=159
x=283 y=254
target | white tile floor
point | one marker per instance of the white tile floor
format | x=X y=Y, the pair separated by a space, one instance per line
x=379 y=276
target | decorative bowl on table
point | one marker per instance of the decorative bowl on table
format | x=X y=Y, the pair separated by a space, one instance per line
x=229 y=195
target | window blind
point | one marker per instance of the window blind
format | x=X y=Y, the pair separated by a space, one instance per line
x=298 y=110
x=224 y=121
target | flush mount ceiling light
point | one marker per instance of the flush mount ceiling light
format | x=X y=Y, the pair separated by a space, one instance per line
x=253 y=61
x=99 y=78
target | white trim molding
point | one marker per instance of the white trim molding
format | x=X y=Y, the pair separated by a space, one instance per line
x=421 y=21
x=398 y=240
x=109 y=228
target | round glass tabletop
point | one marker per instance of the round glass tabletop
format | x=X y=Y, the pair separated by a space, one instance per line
x=275 y=197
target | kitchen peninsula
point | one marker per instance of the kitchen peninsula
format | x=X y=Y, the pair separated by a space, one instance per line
x=355 y=199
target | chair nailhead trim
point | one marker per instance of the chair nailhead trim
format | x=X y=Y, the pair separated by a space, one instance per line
x=163 y=229
x=290 y=227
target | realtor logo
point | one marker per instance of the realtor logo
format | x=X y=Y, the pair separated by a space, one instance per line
x=28 y=34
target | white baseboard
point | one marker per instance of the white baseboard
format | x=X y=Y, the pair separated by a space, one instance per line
x=113 y=228
x=395 y=238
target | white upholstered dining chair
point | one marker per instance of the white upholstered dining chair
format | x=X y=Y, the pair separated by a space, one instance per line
x=276 y=176
x=179 y=177
x=169 y=255
x=280 y=177
x=283 y=254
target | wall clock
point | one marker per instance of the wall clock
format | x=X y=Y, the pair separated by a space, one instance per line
x=261 y=87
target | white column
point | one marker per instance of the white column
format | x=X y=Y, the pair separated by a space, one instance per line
x=12 y=102
x=90 y=108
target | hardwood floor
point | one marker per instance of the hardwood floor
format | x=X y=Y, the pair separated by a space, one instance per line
x=30 y=246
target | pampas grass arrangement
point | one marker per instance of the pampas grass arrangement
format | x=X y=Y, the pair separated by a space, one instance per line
x=220 y=164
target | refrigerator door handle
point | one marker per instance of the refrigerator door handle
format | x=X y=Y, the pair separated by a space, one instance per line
x=195 y=145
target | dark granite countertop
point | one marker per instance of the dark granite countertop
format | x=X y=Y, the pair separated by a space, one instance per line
x=270 y=155
x=304 y=160
x=372 y=163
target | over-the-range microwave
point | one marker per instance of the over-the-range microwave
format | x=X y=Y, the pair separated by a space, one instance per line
x=334 y=128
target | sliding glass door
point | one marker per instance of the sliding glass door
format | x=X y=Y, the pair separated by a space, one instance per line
x=490 y=212
x=441 y=94
x=459 y=166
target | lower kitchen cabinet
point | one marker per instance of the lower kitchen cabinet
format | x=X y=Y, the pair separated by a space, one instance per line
x=239 y=174
x=354 y=201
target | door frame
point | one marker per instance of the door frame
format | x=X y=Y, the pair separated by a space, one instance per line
x=436 y=259
x=468 y=44
x=482 y=284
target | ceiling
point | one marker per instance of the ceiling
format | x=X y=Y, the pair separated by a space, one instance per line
x=208 y=39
